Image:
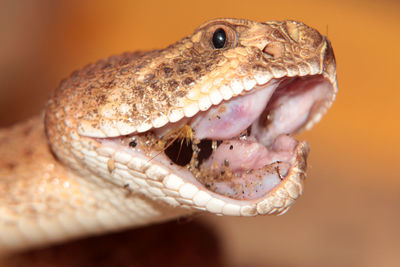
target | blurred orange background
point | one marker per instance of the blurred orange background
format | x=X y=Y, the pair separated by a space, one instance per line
x=349 y=214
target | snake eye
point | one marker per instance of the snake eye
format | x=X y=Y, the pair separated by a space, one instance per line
x=219 y=38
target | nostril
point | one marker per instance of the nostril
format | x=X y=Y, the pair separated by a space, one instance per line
x=274 y=49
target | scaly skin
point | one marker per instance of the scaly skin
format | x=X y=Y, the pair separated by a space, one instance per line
x=86 y=188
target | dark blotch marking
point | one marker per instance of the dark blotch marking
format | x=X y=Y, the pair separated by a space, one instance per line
x=180 y=93
x=173 y=84
x=208 y=66
x=182 y=70
x=197 y=69
x=188 y=81
x=167 y=71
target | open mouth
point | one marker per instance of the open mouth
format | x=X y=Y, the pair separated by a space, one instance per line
x=242 y=148
x=206 y=123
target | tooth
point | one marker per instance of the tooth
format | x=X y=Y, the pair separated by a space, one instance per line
x=172 y=193
x=201 y=198
x=190 y=110
x=205 y=88
x=249 y=83
x=215 y=97
x=122 y=157
x=188 y=191
x=283 y=211
x=215 y=205
x=156 y=172
x=226 y=92
x=292 y=71
x=160 y=121
x=237 y=86
x=125 y=128
x=231 y=210
x=144 y=127
x=278 y=201
x=217 y=82
x=315 y=67
x=204 y=103
x=156 y=192
x=138 y=164
x=292 y=189
x=278 y=71
x=185 y=202
x=193 y=95
x=109 y=129
x=175 y=115
x=156 y=184
x=248 y=210
x=262 y=78
x=172 y=182
x=304 y=69
x=105 y=151
x=171 y=201
x=264 y=207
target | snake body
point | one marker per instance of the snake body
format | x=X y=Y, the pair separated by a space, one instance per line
x=94 y=161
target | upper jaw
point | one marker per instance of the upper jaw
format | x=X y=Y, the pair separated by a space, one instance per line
x=204 y=95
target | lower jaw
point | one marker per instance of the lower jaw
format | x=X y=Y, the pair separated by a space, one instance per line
x=251 y=180
x=280 y=195
x=245 y=185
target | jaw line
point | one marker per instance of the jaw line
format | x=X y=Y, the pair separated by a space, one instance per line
x=276 y=201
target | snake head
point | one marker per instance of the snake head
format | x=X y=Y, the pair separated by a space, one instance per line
x=240 y=88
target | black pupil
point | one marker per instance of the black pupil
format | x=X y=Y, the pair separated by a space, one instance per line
x=219 y=38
